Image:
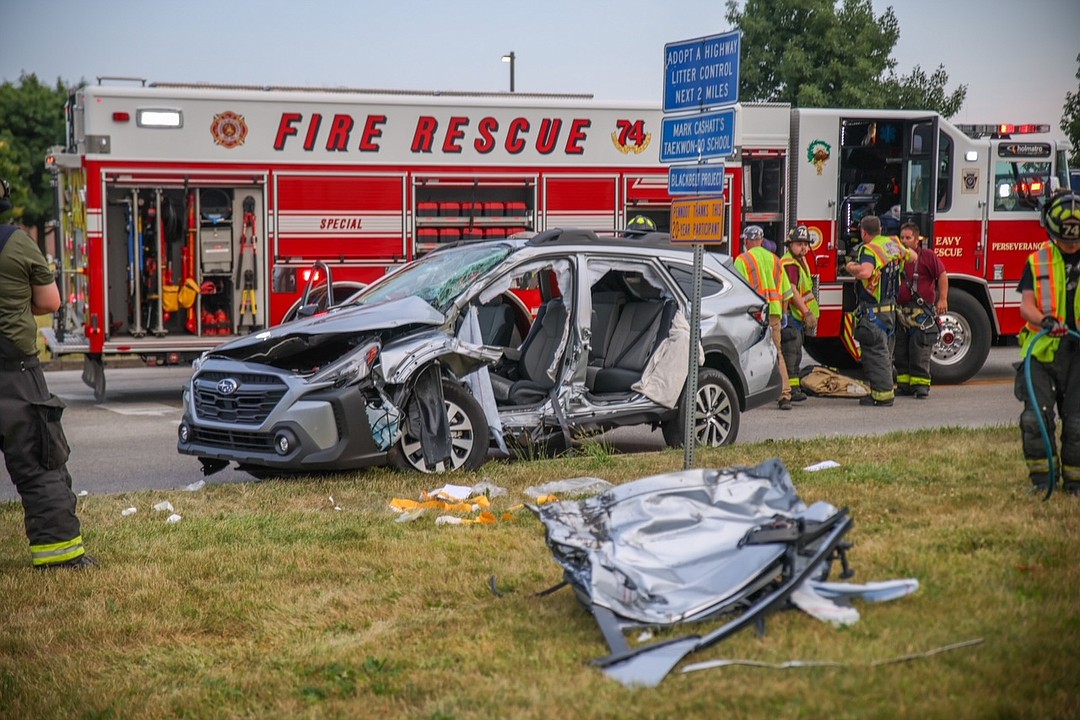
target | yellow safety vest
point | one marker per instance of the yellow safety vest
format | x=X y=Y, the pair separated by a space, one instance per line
x=762 y=270
x=805 y=285
x=1048 y=272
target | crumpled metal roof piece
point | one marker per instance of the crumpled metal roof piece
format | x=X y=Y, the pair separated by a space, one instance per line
x=688 y=546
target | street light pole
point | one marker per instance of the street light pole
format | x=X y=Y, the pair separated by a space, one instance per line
x=509 y=58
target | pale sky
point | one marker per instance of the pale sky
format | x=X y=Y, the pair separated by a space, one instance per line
x=1017 y=57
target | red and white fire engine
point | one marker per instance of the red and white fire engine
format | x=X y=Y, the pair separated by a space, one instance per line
x=192 y=212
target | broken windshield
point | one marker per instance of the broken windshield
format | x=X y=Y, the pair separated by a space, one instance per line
x=437 y=278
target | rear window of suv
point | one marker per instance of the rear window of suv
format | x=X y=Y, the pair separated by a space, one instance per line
x=684 y=276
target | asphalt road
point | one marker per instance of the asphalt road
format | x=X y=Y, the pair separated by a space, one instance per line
x=129 y=441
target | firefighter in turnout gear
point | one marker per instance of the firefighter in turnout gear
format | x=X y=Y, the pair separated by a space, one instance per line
x=878 y=269
x=924 y=295
x=1050 y=302
x=803 y=309
x=34 y=446
x=761 y=269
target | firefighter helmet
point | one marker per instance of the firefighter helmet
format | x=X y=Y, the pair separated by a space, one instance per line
x=799 y=233
x=753 y=232
x=641 y=224
x=1061 y=216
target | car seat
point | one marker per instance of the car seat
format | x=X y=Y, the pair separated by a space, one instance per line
x=531 y=382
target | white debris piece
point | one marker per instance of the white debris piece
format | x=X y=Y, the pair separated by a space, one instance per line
x=332 y=503
x=572 y=487
x=173 y=519
x=823 y=465
x=197 y=485
x=486 y=487
x=809 y=601
x=408 y=516
x=447 y=520
x=452 y=492
x=129 y=511
x=164 y=506
x=83 y=493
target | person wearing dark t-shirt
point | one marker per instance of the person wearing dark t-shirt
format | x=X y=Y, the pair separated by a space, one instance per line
x=923 y=295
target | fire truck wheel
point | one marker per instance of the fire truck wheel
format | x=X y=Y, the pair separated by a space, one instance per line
x=468 y=436
x=964 y=342
x=716 y=413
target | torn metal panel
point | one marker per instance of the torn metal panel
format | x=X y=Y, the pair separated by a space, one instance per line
x=689 y=546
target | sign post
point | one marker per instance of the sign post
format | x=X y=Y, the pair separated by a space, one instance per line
x=699 y=75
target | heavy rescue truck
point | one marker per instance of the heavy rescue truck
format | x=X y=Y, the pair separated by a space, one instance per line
x=189 y=213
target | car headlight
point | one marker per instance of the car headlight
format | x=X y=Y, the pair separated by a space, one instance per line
x=352 y=367
x=198 y=363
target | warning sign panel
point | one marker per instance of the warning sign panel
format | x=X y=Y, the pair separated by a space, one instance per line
x=697 y=221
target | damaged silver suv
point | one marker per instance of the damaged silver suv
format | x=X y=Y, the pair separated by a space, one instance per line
x=486 y=346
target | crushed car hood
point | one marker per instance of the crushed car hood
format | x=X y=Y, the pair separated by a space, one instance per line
x=347 y=320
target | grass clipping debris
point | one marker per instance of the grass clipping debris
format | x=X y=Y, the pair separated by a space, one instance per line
x=268 y=600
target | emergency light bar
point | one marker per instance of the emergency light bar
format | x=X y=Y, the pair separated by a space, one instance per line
x=1002 y=130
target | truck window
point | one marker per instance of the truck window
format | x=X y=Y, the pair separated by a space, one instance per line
x=944 y=178
x=1015 y=182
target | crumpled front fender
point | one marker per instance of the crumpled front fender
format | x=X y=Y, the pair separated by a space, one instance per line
x=401 y=359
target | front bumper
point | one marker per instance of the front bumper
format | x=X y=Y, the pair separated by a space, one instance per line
x=279 y=426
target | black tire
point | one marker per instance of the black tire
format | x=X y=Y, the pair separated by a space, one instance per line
x=468 y=432
x=716 y=413
x=829 y=352
x=964 y=342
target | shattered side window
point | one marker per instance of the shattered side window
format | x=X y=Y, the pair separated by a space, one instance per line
x=438 y=278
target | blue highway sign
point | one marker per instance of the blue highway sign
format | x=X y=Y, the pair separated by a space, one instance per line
x=696 y=179
x=691 y=138
x=702 y=73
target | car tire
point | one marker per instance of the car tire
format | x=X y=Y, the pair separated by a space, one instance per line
x=716 y=413
x=468 y=432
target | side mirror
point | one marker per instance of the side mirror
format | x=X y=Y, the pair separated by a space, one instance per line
x=307 y=310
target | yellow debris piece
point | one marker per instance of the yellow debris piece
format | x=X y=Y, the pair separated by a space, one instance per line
x=545 y=499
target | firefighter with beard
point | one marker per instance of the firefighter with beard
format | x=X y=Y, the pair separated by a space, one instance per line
x=803 y=310
x=1049 y=301
x=34 y=446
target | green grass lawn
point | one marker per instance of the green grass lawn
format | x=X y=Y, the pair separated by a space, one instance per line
x=266 y=601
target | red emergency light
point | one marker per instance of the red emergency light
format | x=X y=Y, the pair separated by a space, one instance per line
x=307 y=275
x=121 y=116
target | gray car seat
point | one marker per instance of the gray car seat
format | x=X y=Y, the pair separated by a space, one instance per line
x=529 y=382
x=496 y=323
x=641 y=327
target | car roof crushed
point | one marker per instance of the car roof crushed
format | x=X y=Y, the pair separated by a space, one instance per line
x=689 y=546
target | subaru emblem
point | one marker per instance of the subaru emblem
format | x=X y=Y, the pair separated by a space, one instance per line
x=227 y=386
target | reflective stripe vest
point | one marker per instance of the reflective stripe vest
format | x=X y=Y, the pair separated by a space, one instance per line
x=1048 y=273
x=884 y=284
x=762 y=270
x=805 y=286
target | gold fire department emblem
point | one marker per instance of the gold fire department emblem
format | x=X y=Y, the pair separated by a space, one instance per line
x=229 y=129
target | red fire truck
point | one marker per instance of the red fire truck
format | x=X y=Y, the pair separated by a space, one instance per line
x=192 y=212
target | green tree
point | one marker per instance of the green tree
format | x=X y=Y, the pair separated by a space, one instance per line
x=820 y=53
x=33 y=121
x=1070 y=119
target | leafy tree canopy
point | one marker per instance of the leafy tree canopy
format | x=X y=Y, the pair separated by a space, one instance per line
x=32 y=122
x=1070 y=119
x=820 y=53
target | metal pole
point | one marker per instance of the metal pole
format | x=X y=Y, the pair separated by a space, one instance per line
x=690 y=406
x=509 y=58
